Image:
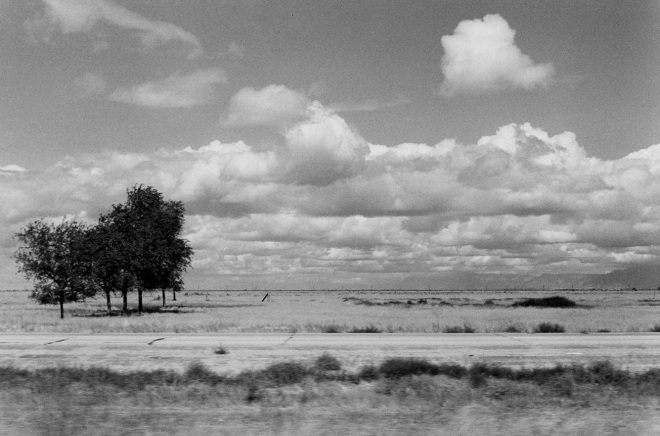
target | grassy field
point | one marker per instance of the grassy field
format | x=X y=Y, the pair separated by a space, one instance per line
x=294 y=398
x=343 y=311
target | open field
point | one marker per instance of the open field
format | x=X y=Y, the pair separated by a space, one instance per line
x=237 y=339
x=342 y=311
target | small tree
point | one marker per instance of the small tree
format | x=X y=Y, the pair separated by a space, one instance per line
x=53 y=255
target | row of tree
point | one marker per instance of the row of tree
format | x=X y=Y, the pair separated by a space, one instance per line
x=134 y=247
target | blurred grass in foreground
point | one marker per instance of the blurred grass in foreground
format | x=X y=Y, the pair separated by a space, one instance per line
x=399 y=396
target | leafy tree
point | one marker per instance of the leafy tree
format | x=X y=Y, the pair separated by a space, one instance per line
x=54 y=256
x=144 y=239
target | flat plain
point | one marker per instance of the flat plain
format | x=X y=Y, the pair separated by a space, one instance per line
x=246 y=341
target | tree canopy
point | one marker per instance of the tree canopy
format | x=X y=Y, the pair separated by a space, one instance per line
x=135 y=246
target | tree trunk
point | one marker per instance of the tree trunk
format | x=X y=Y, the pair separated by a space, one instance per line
x=163 y=289
x=61 y=305
x=124 y=294
x=107 y=299
x=173 y=294
x=139 y=300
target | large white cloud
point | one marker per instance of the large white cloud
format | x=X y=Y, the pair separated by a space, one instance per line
x=481 y=56
x=325 y=202
x=274 y=105
x=78 y=16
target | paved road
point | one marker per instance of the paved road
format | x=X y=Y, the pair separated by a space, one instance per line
x=251 y=351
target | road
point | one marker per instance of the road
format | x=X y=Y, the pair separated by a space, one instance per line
x=252 y=351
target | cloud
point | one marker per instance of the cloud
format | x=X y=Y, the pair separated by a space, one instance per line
x=327 y=204
x=481 y=56
x=368 y=105
x=12 y=169
x=274 y=105
x=90 y=84
x=175 y=91
x=82 y=16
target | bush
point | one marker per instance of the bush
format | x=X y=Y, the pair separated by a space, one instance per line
x=465 y=328
x=514 y=328
x=656 y=328
x=220 y=349
x=327 y=362
x=333 y=328
x=368 y=373
x=285 y=373
x=556 y=301
x=546 y=327
x=368 y=329
x=397 y=368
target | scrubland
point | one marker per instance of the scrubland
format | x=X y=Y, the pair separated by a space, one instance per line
x=343 y=311
x=394 y=397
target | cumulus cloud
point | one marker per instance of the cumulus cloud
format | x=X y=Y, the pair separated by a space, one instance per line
x=80 y=16
x=274 y=105
x=175 y=91
x=325 y=203
x=481 y=56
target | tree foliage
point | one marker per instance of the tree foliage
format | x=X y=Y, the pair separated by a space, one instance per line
x=135 y=246
x=53 y=255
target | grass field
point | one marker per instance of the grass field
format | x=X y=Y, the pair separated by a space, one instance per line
x=319 y=399
x=343 y=311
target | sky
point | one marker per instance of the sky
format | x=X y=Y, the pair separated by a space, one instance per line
x=346 y=145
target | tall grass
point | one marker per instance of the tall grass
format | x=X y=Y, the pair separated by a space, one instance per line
x=399 y=396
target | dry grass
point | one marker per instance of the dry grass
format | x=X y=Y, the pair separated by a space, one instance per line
x=199 y=403
x=343 y=311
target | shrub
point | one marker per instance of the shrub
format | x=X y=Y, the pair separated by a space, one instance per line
x=196 y=371
x=368 y=373
x=327 y=362
x=285 y=373
x=656 y=328
x=556 y=301
x=546 y=327
x=333 y=328
x=397 y=367
x=220 y=349
x=514 y=328
x=368 y=329
x=465 y=328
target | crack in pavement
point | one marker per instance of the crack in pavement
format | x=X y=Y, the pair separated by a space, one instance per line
x=54 y=342
x=287 y=339
x=515 y=339
x=155 y=340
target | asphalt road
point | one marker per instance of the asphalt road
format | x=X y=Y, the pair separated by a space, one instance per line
x=251 y=351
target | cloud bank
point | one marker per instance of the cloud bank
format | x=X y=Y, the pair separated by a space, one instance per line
x=481 y=56
x=325 y=206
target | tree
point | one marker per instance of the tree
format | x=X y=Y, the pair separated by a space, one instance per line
x=144 y=234
x=53 y=255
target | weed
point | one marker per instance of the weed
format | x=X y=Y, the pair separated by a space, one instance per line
x=547 y=327
x=220 y=349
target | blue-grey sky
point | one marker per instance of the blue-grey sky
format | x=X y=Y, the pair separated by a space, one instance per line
x=333 y=143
